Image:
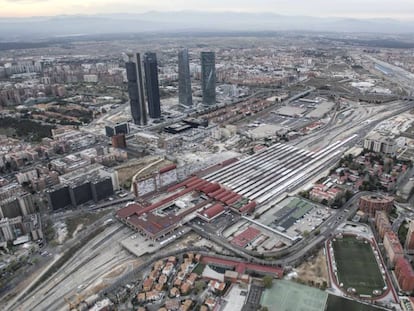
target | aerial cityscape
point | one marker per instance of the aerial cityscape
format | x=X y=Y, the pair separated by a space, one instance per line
x=206 y=158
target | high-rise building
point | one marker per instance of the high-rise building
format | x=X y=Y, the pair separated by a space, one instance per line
x=208 y=78
x=185 y=97
x=136 y=89
x=151 y=85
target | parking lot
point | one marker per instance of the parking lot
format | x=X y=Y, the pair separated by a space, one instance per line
x=294 y=216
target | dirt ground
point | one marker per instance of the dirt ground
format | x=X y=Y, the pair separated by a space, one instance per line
x=315 y=270
x=127 y=170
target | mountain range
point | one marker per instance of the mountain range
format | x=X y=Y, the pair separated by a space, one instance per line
x=184 y=21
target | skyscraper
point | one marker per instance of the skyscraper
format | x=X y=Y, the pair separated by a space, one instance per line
x=151 y=84
x=136 y=89
x=185 y=97
x=208 y=78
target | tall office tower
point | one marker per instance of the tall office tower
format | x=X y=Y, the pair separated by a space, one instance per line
x=151 y=85
x=136 y=89
x=208 y=78
x=185 y=97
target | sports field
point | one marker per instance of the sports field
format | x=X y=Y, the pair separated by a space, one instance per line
x=357 y=265
x=336 y=303
x=290 y=296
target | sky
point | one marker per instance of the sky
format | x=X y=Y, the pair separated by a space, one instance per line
x=396 y=9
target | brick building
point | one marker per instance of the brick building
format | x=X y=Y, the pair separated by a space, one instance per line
x=382 y=223
x=405 y=274
x=409 y=242
x=370 y=204
x=393 y=247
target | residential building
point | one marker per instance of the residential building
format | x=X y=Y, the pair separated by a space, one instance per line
x=405 y=274
x=370 y=204
x=382 y=223
x=392 y=247
x=409 y=242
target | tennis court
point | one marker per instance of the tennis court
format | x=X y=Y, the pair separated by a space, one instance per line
x=290 y=296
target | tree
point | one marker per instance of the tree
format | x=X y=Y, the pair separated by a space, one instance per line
x=348 y=195
x=199 y=286
x=48 y=230
x=264 y=309
x=268 y=281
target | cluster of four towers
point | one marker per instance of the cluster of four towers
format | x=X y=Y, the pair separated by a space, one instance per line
x=136 y=83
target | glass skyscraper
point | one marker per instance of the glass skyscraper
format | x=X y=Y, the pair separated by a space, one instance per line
x=136 y=89
x=208 y=78
x=185 y=97
x=151 y=84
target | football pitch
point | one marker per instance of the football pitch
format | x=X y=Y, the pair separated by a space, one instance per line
x=357 y=265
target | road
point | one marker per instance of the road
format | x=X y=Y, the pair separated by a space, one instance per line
x=298 y=250
x=396 y=74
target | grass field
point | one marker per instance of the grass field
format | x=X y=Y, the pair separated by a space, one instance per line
x=357 y=266
x=199 y=269
x=290 y=296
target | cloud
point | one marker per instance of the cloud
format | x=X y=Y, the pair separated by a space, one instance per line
x=24 y=1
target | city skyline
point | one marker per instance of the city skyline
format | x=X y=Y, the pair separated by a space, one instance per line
x=320 y=8
x=273 y=152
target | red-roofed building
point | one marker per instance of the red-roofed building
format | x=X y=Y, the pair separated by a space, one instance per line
x=168 y=168
x=246 y=237
x=248 y=208
x=211 y=212
x=321 y=192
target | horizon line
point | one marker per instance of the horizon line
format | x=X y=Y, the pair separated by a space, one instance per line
x=401 y=19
